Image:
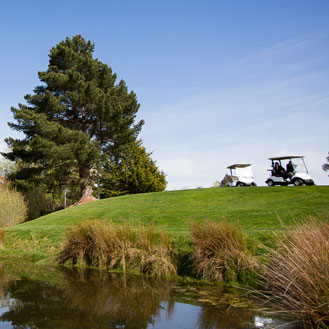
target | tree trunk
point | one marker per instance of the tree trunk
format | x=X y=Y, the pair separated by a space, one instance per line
x=85 y=182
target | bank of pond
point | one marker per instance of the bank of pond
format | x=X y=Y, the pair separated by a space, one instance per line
x=292 y=275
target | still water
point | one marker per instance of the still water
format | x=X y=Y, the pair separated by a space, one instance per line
x=58 y=297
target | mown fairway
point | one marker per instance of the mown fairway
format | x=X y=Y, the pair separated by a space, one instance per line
x=256 y=209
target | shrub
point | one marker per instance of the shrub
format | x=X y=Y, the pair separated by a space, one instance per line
x=296 y=277
x=220 y=252
x=12 y=207
x=109 y=246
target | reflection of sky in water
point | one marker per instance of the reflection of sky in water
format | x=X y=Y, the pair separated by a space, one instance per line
x=5 y=324
x=187 y=317
x=184 y=317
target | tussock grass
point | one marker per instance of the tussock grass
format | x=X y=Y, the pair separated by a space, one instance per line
x=2 y=237
x=94 y=243
x=156 y=255
x=220 y=252
x=296 y=277
x=118 y=247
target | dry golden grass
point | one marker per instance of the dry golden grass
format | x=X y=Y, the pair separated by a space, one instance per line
x=220 y=252
x=96 y=243
x=118 y=246
x=297 y=275
x=156 y=255
x=2 y=237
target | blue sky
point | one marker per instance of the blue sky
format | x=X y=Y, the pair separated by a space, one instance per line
x=219 y=82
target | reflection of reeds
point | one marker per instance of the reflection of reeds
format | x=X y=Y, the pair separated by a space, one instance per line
x=297 y=275
x=218 y=318
x=2 y=281
x=109 y=246
x=134 y=301
x=220 y=252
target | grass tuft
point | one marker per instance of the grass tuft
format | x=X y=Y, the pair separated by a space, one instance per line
x=2 y=237
x=118 y=247
x=296 y=277
x=220 y=252
x=156 y=253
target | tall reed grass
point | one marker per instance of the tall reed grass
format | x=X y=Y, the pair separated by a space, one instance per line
x=220 y=252
x=296 y=277
x=2 y=237
x=109 y=246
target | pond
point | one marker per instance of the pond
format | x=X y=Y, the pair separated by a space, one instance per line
x=58 y=297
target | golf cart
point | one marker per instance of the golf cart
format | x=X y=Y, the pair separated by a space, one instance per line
x=293 y=171
x=241 y=175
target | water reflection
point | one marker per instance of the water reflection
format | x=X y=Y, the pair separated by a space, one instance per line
x=75 y=298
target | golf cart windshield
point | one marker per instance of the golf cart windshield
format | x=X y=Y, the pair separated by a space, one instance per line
x=244 y=172
x=299 y=165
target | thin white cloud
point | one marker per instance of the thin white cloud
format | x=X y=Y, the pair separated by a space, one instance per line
x=284 y=47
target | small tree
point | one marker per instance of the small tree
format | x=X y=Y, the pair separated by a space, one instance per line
x=134 y=172
x=325 y=166
x=216 y=183
x=13 y=209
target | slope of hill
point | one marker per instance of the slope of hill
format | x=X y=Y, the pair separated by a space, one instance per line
x=257 y=210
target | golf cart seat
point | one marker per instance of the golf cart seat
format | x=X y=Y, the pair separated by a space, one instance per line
x=234 y=178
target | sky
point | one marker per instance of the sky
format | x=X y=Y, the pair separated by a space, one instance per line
x=218 y=82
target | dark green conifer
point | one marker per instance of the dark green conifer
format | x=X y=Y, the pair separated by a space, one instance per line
x=76 y=117
x=134 y=172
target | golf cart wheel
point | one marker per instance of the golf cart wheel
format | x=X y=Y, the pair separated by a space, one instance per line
x=298 y=182
x=238 y=184
x=253 y=184
x=270 y=182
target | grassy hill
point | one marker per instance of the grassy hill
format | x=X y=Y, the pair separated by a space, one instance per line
x=257 y=210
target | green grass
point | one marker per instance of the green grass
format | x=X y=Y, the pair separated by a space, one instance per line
x=257 y=210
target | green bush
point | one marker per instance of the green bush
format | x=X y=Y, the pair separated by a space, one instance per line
x=13 y=209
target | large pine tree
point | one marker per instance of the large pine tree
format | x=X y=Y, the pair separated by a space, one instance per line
x=78 y=116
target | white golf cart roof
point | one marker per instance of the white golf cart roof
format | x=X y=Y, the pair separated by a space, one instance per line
x=238 y=165
x=287 y=157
